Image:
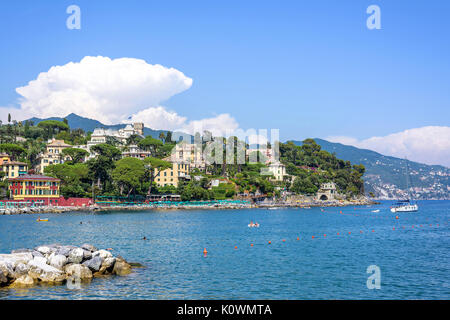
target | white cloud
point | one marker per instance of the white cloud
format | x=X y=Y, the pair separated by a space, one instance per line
x=159 y=118
x=16 y=114
x=430 y=145
x=113 y=91
x=108 y=90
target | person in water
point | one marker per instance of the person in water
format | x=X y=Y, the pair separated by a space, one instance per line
x=144 y=238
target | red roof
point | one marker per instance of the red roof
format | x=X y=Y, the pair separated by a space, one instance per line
x=34 y=177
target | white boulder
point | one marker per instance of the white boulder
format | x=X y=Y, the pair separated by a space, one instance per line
x=76 y=255
x=103 y=254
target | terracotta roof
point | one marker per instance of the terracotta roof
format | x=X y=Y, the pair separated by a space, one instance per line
x=15 y=162
x=58 y=143
x=34 y=177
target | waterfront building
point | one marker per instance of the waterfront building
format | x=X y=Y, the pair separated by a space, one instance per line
x=13 y=169
x=52 y=155
x=326 y=192
x=171 y=176
x=34 y=188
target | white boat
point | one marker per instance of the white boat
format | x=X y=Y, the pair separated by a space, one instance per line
x=405 y=205
x=378 y=210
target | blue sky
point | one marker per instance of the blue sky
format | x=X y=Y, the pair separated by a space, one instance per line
x=309 y=68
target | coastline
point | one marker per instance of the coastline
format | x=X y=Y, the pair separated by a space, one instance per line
x=194 y=206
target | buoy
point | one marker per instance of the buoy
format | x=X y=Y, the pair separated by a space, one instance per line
x=270 y=242
x=251 y=244
x=235 y=247
x=349 y=232
x=284 y=240
x=312 y=237
x=340 y=211
x=298 y=238
x=205 y=252
x=396 y=217
x=373 y=230
x=324 y=235
x=393 y=228
x=338 y=233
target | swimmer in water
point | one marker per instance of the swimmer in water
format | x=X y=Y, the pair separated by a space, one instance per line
x=145 y=238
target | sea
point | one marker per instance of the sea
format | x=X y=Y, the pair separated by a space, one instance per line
x=318 y=253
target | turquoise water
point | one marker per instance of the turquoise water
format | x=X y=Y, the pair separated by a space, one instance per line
x=414 y=261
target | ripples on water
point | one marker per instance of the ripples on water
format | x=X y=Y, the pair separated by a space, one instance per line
x=414 y=262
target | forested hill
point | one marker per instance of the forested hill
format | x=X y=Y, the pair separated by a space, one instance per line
x=385 y=175
x=77 y=122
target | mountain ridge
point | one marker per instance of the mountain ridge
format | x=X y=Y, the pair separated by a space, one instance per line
x=385 y=176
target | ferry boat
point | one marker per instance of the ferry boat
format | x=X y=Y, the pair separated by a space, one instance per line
x=405 y=205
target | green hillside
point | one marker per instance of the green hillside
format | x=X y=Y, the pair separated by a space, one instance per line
x=385 y=170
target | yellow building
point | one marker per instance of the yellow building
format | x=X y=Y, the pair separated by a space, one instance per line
x=13 y=169
x=53 y=155
x=4 y=157
x=171 y=176
x=34 y=187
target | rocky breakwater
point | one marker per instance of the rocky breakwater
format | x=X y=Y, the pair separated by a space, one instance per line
x=58 y=264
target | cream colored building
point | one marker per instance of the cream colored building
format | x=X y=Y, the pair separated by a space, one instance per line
x=53 y=155
x=173 y=175
x=278 y=170
x=187 y=153
x=327 y=191
x=13 y=169
x=133 y=151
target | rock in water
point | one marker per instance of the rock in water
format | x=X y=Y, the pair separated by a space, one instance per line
x=37 y=254
x=89 y=247
x=23 y=281
x=64 y=250
x=6 y=269
x=94 y=263
x=21 y=270
x=57 y=260
x=57 y=263
x=76 y=256
x=103 y=254
x=78 y=271
x=121 y=268
x=43 y=249
x=87 y=254
x=3 y=278
x=39 y=269
x=107 y=266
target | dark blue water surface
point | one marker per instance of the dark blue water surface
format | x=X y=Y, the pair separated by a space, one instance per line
x=413 y=258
